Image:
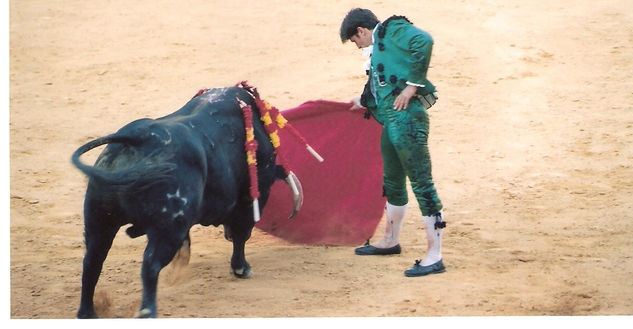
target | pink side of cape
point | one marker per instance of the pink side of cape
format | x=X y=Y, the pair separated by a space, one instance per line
x=343 y=201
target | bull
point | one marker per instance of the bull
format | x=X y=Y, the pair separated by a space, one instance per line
x=165 y=175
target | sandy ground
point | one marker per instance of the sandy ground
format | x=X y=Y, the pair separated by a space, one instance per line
x=532 y=145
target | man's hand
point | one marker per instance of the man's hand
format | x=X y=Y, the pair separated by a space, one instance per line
x=402 y=101
x=356 y=104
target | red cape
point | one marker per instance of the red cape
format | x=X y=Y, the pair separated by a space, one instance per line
x=343 y=201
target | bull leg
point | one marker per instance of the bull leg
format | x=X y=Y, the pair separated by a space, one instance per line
x=239 y=266
x=161 y=249
x=227 y=233
x=98 y=243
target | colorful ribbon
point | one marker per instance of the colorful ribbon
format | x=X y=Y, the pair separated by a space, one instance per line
x=273 y=121
x=250 y=146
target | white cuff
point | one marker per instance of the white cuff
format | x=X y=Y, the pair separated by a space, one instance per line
x=415 y=84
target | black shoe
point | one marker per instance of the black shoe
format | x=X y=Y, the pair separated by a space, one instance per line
x=371 y=250
x=419 y=270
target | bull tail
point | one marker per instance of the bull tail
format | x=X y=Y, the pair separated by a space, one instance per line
x=137 y=177
x=89 y=170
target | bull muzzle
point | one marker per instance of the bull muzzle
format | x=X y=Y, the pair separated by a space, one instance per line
x=297 y=193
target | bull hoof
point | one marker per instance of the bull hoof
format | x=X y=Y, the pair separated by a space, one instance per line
x=242 y=273
x=87 y=315
x=143 y=314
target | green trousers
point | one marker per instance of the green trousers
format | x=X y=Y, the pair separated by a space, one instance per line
x=405 y=154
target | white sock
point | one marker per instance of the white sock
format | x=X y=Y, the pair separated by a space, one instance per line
x=434 y=240
x=394 y=222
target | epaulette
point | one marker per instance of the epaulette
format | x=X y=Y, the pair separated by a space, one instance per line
x=382 y=30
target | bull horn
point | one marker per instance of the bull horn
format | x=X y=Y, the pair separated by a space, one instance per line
x=297 y=193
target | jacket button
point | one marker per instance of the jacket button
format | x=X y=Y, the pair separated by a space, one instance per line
x=393 y=79
x=381 y=46
x=381 y=67
x=381 y=78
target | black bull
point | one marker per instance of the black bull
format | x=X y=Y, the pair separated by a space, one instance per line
x=165 y=175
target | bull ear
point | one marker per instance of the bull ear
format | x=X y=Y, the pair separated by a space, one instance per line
x=297 y=193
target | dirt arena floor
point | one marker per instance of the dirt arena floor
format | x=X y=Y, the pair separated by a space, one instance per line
x=531 y=140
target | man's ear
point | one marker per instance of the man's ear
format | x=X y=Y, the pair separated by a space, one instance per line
x=360 y=31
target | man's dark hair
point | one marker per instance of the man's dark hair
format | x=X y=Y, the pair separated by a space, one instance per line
x=356 y=18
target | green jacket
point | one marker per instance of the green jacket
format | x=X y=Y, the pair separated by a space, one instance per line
x=401 y=53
